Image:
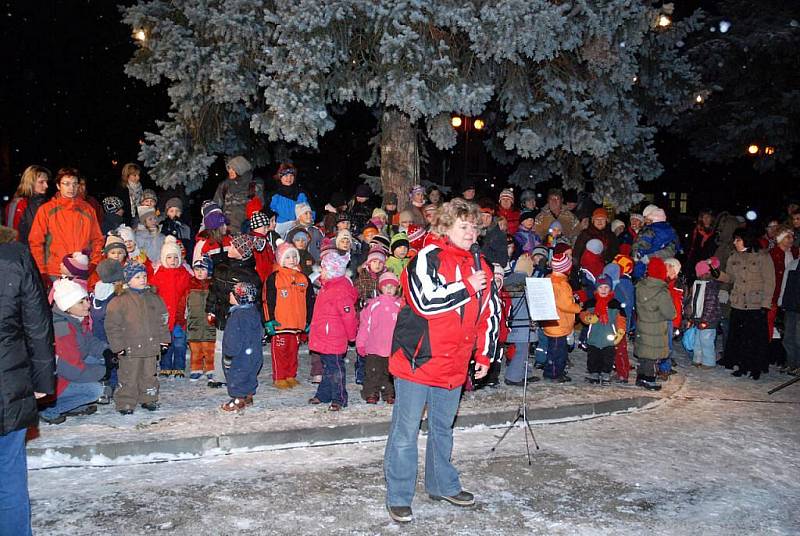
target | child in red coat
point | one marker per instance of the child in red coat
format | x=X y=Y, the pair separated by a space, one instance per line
x=172 y=281
x=333 y=324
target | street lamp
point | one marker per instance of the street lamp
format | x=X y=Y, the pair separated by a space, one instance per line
x=699 y=99
x=753 y=149
x=769 y=150
x=467 y=124
x=140 y=35
x=664 y=21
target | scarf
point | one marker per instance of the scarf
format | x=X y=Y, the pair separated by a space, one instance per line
x=601 y=306
x=135 y=193
x=704 y=233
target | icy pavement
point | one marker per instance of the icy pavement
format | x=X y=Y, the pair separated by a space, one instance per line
x=191 y=409
x=719 y=457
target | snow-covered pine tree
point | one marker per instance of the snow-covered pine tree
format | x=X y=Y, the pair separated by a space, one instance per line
x=748 y=57
x=574 y=89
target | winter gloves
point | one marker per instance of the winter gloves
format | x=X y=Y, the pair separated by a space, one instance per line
x=270 y=327
x=111 y=361
x=619 y=336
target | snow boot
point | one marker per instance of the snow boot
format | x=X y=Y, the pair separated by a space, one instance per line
x=234 y=405
x=593 y=378
x=648 y=382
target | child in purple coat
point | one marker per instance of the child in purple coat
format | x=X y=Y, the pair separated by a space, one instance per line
x=374 y=339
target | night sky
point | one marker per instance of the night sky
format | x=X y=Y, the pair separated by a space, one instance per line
x=67 y=101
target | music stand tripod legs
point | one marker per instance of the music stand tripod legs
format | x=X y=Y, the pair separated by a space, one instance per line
x=522 y=410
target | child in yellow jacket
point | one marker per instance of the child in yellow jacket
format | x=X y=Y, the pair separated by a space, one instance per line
x=557 y=330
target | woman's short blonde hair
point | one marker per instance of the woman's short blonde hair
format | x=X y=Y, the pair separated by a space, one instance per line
x=128 y=170
x=29 y=176
x=449 y=213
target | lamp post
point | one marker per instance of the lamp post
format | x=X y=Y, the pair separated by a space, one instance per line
x=467 y=124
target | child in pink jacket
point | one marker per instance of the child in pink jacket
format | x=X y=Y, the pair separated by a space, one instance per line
x=333 y=325
x=374 y=340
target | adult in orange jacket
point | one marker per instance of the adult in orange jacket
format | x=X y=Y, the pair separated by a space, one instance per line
x=64 y=225
x=557 y=330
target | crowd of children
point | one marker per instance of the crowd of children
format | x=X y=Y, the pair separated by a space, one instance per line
x=277 y=278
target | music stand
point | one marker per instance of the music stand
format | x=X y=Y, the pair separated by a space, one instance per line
x=522 y=410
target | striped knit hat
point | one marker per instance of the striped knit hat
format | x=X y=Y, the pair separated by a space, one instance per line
x=561 y=263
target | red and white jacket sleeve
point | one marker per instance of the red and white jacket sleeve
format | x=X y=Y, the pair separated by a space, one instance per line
x=428 y=292
x=488 y=328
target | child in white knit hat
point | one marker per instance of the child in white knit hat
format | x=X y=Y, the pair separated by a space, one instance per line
x=172 y=280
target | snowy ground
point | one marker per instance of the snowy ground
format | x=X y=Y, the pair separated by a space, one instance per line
x=719 y=457
x=191 y=409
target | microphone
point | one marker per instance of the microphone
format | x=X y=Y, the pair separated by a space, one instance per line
x=475 y=249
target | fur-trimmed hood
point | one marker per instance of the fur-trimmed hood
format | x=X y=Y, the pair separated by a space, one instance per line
x=7 y=235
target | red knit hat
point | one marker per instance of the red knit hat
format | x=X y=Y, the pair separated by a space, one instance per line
x=561 y=248
x=657 y=269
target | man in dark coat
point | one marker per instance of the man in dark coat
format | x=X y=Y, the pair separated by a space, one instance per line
x=27 y=372
x=492 y=240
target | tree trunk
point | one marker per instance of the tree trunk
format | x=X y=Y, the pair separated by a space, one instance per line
x=399 y=155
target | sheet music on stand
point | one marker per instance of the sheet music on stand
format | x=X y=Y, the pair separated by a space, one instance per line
x=541 y=299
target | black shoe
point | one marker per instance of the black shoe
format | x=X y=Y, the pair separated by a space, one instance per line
x=755 y=375
x=563 y=379
x=539 y=366
x=53 y=420
x=126 y=412
x=401 y=514
x=85 y=410
x=150 y=406
x=215 y=384
x=463 y=498
x=520 y=383
x=739 y=373
x=649 y=384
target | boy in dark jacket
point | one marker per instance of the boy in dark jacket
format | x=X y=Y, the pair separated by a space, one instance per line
x=106 y=289
x=242 y=353
x=237 y=266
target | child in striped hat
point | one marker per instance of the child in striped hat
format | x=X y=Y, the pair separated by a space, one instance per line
x=558 y=330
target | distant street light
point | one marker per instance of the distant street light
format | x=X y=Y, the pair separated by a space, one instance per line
x=478 y=124
x=140 y=35
x=664 y=21
x=699 y=99
x=768 y=150
x=456 y=121
x=753 y=149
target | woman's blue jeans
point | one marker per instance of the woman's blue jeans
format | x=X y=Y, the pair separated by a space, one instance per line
x=400 y=460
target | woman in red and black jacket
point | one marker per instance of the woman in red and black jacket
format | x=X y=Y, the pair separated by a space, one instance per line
x=451 y=316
